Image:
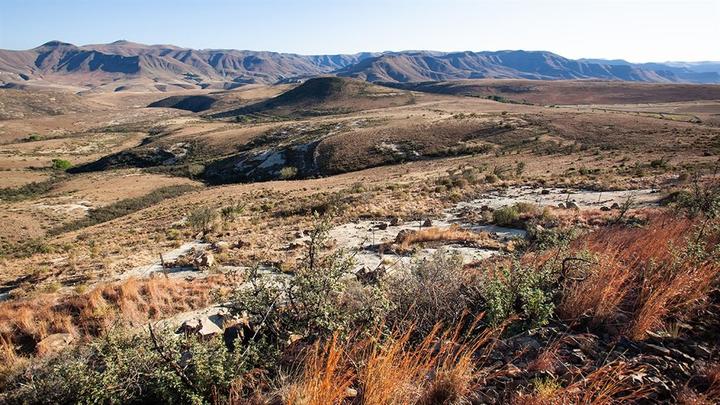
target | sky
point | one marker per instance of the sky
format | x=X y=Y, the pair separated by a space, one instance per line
x=634 y=30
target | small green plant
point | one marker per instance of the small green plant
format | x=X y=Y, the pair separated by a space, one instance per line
x=61 y=164
x=132 y=367
x=230 y=212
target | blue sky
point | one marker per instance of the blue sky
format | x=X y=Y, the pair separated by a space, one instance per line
x=636 y=30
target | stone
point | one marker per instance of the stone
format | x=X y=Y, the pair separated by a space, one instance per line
x=561 y=205
x=350 y=392
x=221 y=246
x=203 y=327
x=54 y=343
x=395 y=221
x=615 y=206
x=604 y=208
x=366 y=276
x=382 y=226
x=427 y=223
x=571 y=205
x=204 y=260
x=545 y=192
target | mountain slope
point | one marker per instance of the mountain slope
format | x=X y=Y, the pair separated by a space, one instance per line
x=423 y=66
x=123 y=65
x=161 y=65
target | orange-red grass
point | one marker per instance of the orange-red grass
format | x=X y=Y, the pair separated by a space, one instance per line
x=636 y=276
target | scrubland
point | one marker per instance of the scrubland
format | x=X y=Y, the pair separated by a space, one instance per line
x=423 y=249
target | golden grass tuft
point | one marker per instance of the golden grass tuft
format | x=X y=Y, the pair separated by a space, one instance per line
x=25 y=322
x=442 y=368
x=405 y=240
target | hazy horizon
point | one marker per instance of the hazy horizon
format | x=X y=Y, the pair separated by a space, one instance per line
x=636 y=31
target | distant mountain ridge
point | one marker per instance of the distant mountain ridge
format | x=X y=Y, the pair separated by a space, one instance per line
x=124 y=65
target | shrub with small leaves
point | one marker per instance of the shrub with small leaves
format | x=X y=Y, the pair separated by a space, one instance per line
x=61 y=164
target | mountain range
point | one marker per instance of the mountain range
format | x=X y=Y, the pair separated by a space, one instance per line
x=124 y=65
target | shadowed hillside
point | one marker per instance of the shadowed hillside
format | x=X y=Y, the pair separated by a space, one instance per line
x=325 y=95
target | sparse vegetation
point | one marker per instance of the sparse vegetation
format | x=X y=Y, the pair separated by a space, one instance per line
x=201 y=219
x=124 y=207
x=360 y=282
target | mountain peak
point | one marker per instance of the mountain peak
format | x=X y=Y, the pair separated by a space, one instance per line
x=55 y=44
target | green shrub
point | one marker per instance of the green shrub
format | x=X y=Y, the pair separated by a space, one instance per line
x=506 y=216
x=230 y=212
x=319 y=299
x=514 y=287
x=32 y=138
x=125 y=367
x=61 y=164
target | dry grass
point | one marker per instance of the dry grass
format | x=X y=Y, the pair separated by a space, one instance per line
x=24 y=323
x=609 y=384
x=640 y=276
x=405 y=240
x=442 y=368
x=326 y=379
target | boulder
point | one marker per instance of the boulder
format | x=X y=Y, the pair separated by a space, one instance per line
x=571 y=205
x=544 y=191
x=54 y=343
x=382 y=226
x=427 y=223
x=395 y=221
x=203 y=327
x=615 y=206
x=204 y=260
x=221 y=246
x=604 y=208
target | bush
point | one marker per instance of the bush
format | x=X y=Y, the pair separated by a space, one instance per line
x=201 y=219
x=27 y=191
x=506 y=216
x=288 y=172
x=318 y=300
x=61 y=164
x=230 y=212
x=516 y=287
x=123 y=367
x=432 y=291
